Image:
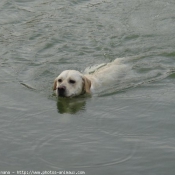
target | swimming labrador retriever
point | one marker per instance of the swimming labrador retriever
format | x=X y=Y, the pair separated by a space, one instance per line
x=72 y=83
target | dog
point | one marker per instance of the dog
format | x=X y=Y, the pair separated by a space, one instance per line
x=71 y=83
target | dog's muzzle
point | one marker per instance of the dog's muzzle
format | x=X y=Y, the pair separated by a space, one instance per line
x=62 y=91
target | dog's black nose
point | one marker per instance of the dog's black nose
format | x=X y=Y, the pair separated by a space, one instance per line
x=61 y=91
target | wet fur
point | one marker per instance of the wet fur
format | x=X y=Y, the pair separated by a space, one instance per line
x=87 y=83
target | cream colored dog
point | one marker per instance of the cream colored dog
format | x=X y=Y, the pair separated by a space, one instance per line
x=73 y=83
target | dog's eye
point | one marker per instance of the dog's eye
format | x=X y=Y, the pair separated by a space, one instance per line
x=72 y=81
x=59 y=80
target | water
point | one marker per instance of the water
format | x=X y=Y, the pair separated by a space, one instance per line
x=126 y=129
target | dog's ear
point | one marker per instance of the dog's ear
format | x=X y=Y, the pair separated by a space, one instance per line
x=55 y=84
x=87 y=85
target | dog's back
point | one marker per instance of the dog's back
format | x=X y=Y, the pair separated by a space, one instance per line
x=106 y=74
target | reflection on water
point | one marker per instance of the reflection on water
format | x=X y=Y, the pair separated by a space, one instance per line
x=70 y=105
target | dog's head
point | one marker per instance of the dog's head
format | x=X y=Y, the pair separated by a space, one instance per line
x=71 y=83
